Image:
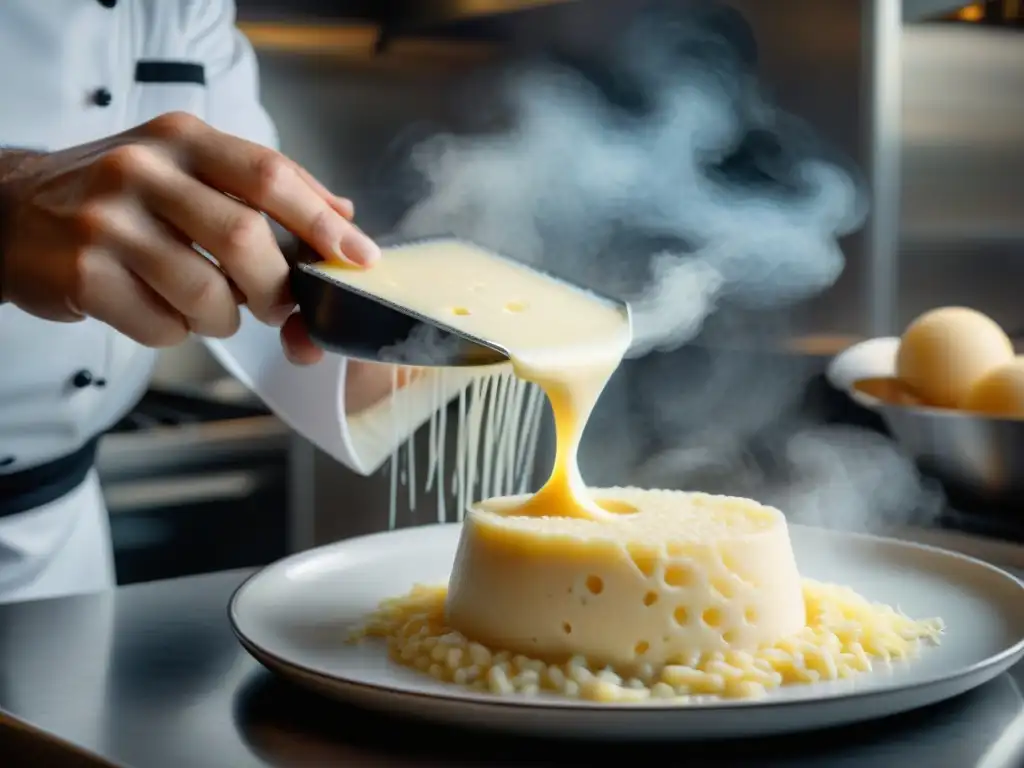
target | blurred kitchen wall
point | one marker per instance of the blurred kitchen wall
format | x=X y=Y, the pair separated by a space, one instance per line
x=962 y=222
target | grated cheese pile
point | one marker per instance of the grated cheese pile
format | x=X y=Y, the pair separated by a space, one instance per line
x=845 y=635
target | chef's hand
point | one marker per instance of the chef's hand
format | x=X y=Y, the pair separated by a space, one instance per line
x=105 y=230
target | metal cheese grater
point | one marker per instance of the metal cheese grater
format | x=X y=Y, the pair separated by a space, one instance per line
x=361 y=325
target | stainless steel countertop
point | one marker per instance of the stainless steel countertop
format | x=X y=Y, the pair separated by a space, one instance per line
x=151 y=677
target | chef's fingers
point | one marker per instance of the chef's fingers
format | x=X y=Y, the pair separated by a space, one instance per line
x=345 y=207
x=177 y=128
x=237 y=236
x=297 y=345
x=272 y=183
x=113 y=295
x=186 y=280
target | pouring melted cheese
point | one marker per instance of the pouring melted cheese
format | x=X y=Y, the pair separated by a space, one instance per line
x=563 y=339
x=617 y=595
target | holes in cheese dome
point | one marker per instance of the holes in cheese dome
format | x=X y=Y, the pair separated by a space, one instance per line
x=723 y=587
x=650 y=599
x=645 y=559
x=729 y=561
x=641 y=648
x=461 y=311
x=617 y=507
x=750 y=615
x=712 y=617
x=678 y=576
x=515 y=307
x=567 y=628
x=681 y=615
x=675 y=549
x=730 y=636
x=646 y=566
x=595 y=584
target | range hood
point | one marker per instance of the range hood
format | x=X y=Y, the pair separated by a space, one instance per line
x=433 y=13
x=415 y=13
x=406 y=13
x=373 y=27
x=418 y=16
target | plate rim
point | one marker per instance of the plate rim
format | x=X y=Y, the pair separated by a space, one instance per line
x=262 y=655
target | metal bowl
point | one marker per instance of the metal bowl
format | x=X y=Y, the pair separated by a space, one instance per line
x=978 y=460
x=975 y=458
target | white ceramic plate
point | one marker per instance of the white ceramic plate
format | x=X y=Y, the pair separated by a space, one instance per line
x=294 y=615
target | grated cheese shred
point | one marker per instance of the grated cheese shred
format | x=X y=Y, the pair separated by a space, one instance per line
x=845 y=635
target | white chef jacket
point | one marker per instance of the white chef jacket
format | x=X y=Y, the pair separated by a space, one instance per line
x=73 y=76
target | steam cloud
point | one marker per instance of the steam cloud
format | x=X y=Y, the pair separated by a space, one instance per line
x=425 y=345
x=837 y=477
x=696 y=190
x=660 y=173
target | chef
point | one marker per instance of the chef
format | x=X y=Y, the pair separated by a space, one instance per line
x=130 y=132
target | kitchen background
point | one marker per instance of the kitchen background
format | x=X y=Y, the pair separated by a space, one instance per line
x=927 y=96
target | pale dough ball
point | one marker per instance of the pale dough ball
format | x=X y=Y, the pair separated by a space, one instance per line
x=1000 y=392
x=945 y=351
